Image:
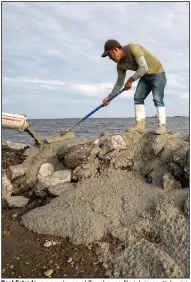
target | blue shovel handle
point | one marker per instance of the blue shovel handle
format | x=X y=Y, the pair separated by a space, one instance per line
x=91 y=113
x=102 y=105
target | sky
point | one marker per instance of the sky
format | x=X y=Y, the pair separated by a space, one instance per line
x=51 y=56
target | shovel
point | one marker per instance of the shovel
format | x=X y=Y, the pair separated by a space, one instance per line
x=68 y=134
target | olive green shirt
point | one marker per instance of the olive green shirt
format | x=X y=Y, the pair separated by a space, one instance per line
x=132 y=53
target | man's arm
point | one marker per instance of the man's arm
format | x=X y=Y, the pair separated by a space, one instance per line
x=142 y=68
x=140 y=60
x=119 y=83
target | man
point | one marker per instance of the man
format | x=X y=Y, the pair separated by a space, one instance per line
x=150 y=73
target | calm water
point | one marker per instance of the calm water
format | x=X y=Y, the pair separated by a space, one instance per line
x=90 y=128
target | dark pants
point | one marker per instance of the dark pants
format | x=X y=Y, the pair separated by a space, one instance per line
x=155 y=83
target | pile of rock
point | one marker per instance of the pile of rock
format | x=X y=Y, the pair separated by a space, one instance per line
x=54 y=182
x=160 y=160
x=12 y=169
x=131 y=187
x=12 y=153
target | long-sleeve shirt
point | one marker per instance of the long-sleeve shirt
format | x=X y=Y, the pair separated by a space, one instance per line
x=138 y=59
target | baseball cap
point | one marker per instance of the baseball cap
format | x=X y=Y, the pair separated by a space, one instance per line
x=109 y=45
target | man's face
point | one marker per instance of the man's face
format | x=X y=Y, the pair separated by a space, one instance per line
x=115 y=54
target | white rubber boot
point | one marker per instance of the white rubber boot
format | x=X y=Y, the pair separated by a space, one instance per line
x=161 y=121
x=140 y=119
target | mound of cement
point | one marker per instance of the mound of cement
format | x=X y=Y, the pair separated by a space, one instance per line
x=131 y=201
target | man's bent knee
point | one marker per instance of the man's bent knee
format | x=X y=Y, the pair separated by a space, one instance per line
x=158 y=103
x=138 y=101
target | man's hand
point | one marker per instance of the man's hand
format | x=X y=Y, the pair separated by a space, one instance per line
x=128 y=84
x=104 y=101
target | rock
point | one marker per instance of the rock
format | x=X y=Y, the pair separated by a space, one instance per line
x=11 y=157
x=181 y=169
x=181 y=156
x=187 y=207
x=156 y=144
x=85 y=171
x=177 y=172
x=105 y=135
x=179 y=166
x=47 y=244
x=16 y=201
x=123 y=164
x=176 y=159
x=30 y=183
x=77 y=155
x=108 y=273
x=7 y=188
x=40 y=190
x=187 y=175
x=62 y=176
x=34 y=204
x=48 y=272
x=168 y=143
x=96 y=141
x=64 y=148
x=21 y=186
x=15 y=146
x=16 y=171
x=58 y=177
x=117 y=159
x=69 y=260
x=31 y=151
x=114 y=142
x=45 y=170
x=60 y=189
x=169 y=183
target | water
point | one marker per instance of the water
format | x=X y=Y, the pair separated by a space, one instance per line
x=90 y=128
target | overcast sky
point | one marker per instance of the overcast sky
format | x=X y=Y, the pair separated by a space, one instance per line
x=52 y=66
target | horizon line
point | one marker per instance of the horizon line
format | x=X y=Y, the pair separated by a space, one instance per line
x=103 y=117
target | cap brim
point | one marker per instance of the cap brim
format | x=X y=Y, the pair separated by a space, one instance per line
x=105 y=53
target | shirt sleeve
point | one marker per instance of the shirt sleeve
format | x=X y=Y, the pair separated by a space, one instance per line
x=138 y=55
x=142 y=68
x=120 y=81
x=136 y=51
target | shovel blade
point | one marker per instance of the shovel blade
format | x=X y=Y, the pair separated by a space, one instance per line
x=52 y=139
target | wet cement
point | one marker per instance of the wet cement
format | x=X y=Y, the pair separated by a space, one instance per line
x=148 y=223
